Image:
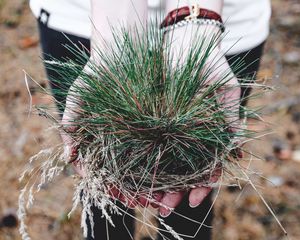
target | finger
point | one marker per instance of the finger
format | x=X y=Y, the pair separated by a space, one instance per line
x=197 y=195
x=131 y=202
x=154 y=205
x=215 y=175
x=114 y=192
x=158 y=196
x=121 y=197
x=128 y=199
x=170 y=200
x=143 y=201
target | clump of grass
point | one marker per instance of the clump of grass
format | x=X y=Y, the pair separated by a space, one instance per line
x=148 y=121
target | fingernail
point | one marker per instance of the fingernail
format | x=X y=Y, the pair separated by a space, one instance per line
x=165 y=213
x=194 y=206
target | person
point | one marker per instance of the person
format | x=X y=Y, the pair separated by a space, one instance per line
x=247 y=27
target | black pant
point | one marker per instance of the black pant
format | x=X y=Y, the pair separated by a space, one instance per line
x=247 y=72
x=52 y=43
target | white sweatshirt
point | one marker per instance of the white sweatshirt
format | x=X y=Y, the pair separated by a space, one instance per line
x=246 y=21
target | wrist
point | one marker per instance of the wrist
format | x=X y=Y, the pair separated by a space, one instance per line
x=182 y=40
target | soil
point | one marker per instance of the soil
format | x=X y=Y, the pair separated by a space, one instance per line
x=239 y=214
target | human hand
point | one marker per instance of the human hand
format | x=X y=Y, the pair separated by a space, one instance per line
x=229 y=97
x=70 y=124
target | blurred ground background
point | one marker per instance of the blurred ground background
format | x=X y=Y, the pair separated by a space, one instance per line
x=239 y=215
